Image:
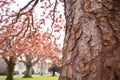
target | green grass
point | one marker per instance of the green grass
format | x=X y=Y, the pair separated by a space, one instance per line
x=35 y=77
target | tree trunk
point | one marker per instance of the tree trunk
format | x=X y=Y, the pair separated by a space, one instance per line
x=53 y=71
x=28 y=64
x=92 y=40
x=41 y=68
x=28 y=72
x=10 y=69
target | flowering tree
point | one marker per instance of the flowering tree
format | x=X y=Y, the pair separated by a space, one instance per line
x=12 y=31
x=23 y=26
x=10 y=57
x=33 y=52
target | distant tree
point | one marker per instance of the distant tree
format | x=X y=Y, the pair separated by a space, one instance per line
x=33 y=52
x=10 y=57
x=53 y=69
x=37 y=47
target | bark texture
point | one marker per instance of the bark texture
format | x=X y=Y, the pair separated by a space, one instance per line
x=10 y=69
x=92 y=40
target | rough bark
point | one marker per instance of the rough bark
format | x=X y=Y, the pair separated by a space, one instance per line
x=10 y=69
x=92 y=40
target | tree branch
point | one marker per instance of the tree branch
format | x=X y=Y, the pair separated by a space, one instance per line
x=33 y=23
x=53 y=18
x=19 y=13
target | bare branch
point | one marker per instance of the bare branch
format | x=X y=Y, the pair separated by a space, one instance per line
x=26 y=5
x=34 y=5
x=53 y=18
x=33 y=23
x=20 y=14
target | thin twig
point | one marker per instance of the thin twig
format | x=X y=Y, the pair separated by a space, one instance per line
x=20 y=14
x=33 y=23
x=53 y=18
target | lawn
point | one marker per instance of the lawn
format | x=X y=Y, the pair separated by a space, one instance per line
x=35 y=77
